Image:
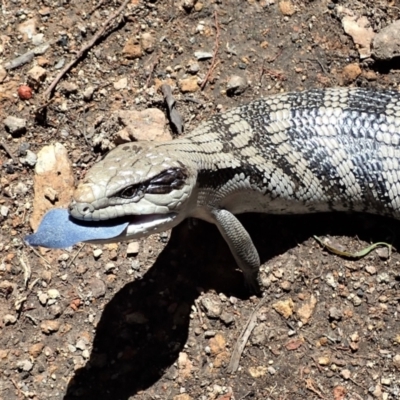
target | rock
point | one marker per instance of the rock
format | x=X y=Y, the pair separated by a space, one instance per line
x=396 y=361
x=9 y=319
x=36 y=76
x=361 y=32
x=30 y=158
x=4 y=211
x=53 y=294
x=212 y=306
x=24 y=92
x=386 y=44
x=324 y=360
x=305 y=311
x=69 y=88
x=351 y=72
x=3 y=74
x=147 y=42
x=236 y=85
x=193 y=67
x=284 y=307
x=287 y=8
x=188 y=85
x=37 y=39
x=370 y=269
x=42 y=61
x=53 y=170
x=345 y=374
x=28 y=28
x=15 y=125
x=36 y=349
x=271 y=370
x=97 y=287
x=226 y=318
x=88 y=93
x=132 y=49
x=188 y=4
x=25 y=365
x=121 y=83
x=132 y=249
x=335 y=314
x=148 y=124
x=182 y=396
x=217 y=344
x=203 y=55
x=259 y=334
x=60 y=63
x=50 y=326
x=258 y=372
x=97 y=253
x=43 y=297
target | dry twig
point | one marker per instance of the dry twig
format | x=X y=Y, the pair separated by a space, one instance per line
x=8 y=151
x=243 y=338
x=85 y=47
x=214 y=63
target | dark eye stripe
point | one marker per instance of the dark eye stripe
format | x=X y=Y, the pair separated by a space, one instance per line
x=173 y=178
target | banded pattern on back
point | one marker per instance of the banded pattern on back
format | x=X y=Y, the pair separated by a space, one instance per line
x=336 y=149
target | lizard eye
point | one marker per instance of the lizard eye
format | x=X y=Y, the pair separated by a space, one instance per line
x=129 y=192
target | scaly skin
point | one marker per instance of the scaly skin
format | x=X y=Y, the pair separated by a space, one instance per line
x=313 y=151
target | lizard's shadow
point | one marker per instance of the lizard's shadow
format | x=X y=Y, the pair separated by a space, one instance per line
x=146 y=324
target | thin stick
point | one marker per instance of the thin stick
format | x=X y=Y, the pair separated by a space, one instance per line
x=8 y=151
x=213 y=61
x=243 y=338
x=85 y=47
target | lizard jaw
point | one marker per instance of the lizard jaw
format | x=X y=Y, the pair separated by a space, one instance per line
x=143 y=225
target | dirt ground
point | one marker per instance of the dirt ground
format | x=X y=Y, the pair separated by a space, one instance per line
x=163 y=324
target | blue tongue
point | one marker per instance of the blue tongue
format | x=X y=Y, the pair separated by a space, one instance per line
x=58 y=230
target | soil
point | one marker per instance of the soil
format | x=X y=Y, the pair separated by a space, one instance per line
x=163 y=323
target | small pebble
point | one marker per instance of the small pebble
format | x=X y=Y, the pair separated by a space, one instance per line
x=132 y=249
x=236 y=85
x=345 y=373
x=271 y=370
x=212 y=307
x=25 y=365
x=9 y=319
x=4 y=211
x=60 y=63
x=88 y=93
x=97 y=253
x=97 y=287
x=121 y=83
x=147 y=42
x=69 y=88
x=36 y=76
x=15 y=125
x=53 y=293
x=30 y=159
x=50 y=326
x=43 y=297
x=202 y=55
x=24 y=92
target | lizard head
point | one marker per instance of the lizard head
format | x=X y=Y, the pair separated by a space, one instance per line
x=144 y=183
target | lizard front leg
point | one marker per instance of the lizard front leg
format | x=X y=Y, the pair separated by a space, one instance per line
x=240 y=244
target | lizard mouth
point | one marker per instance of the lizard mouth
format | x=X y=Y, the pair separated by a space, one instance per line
x=144 y=225
x=139 y=226
x=59 y=230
